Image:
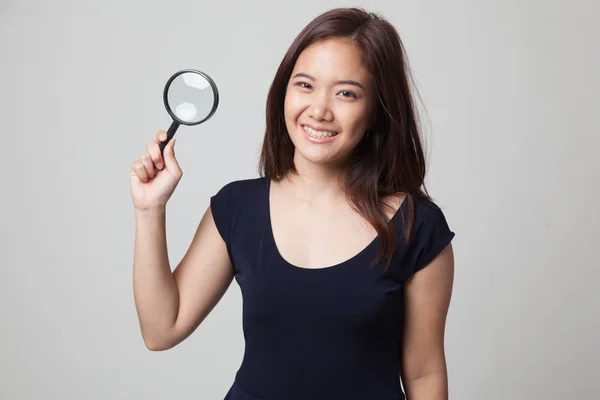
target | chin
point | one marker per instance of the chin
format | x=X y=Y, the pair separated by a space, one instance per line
x=316 y=156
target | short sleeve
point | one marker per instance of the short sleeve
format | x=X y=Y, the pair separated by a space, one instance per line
x=221 y=209
x=432 y=236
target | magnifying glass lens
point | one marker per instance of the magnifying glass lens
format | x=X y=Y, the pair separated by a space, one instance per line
x=191 y=97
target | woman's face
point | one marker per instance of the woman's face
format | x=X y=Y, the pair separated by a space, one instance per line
x=329 y=101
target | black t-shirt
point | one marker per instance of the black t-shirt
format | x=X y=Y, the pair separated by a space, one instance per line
x=326 y=333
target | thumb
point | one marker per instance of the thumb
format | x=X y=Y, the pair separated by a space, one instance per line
x=169 y=156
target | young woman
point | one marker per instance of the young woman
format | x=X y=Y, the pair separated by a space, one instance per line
x=344 y=262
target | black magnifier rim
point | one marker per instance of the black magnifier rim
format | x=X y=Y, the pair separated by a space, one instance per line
x=212 y=85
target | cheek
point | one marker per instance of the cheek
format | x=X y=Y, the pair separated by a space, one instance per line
x=292 y=108
x=354 y=120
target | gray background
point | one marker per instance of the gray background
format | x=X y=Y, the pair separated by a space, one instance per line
x=510 y=89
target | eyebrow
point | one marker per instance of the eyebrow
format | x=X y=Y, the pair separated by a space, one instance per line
x=344 y=82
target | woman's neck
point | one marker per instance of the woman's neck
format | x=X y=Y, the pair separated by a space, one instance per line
x=316 y=183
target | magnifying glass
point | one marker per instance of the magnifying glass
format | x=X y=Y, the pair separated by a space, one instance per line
x=191 y=97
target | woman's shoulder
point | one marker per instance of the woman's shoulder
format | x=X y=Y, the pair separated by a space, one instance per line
x=429 y=233
x=424 y=212
x=427 y=210
x=236 y=203
x=244 y=188
x=240 y=195
x=423 y=209
x=431 y=227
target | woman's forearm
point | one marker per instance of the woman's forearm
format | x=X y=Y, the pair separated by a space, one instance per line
x=155 y=291
x=432 y=386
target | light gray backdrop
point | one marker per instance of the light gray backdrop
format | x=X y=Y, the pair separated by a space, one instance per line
x=511 y=91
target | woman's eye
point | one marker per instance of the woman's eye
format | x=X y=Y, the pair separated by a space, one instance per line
x=344 y=93
x=348 y=94
x=304 y=85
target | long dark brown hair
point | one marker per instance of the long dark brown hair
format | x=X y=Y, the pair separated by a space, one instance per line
x=389 y=160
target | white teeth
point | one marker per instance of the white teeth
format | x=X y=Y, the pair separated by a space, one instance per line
x=318 y=134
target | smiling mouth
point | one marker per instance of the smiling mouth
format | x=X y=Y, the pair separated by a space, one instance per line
x=318 y=134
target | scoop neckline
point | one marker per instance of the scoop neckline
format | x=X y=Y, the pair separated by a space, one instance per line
x=360 y=254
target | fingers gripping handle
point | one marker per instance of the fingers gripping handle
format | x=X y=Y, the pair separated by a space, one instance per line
x=170 y=134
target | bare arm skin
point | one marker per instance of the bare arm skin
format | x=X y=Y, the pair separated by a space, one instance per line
x=171 y=306
x=427 y=299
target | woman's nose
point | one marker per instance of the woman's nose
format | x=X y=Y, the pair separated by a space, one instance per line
x=320 y=111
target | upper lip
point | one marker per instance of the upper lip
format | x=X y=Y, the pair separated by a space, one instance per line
x=318 y=128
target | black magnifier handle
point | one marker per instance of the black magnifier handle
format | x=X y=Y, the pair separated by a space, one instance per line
x=170 y=134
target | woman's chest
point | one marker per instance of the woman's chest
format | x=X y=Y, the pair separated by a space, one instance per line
x=342 y=298
x=312 y=238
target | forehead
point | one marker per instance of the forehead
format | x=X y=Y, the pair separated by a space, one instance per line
x=333 y=59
